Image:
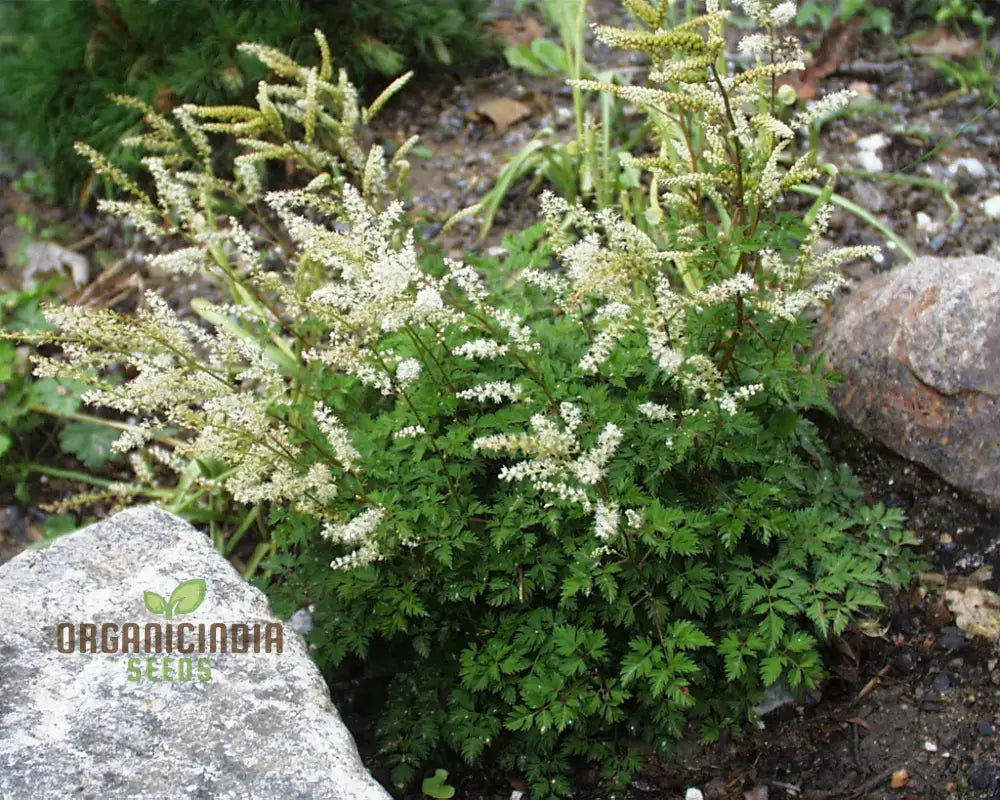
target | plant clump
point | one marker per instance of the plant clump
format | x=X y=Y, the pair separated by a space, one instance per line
x=561 y=510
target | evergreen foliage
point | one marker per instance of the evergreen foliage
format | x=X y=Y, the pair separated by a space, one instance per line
x=60 y=59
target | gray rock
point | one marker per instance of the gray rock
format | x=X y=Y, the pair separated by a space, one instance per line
x=777 y=695
x=870 y=196
x=919 y=348
x=301 y=621
x=91 y=724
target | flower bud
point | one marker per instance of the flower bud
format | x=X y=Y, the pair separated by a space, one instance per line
x=787 y=95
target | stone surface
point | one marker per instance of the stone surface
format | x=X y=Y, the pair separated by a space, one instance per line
x=73 y=724
x=919 y=348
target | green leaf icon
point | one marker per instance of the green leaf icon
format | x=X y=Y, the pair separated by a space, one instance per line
x=154 y=602
x=436 y=787
x=186 y=597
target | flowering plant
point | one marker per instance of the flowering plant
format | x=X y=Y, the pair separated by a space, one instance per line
x=563 y=513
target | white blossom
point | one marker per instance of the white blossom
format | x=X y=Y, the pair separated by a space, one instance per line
x=590 y=467
x=481 y=349
x=606 y=520
x=656 y=412
x=337 y=437
x=730 y=401
x=757 y=45
x=408 y=370
x=496 y=391
x=634 y=518
x=409 y=432
x=130 y=439
x=783 y=13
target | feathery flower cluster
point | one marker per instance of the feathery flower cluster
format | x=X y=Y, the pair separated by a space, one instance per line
x=356 y=300
x=338 y=438
x=480 y=349
x=408 y=370
x=357 y=533
x=410 y=432
x=495 y=391
x=556 y=464
x=729 y=401
x=657 y=412
x=607 y=518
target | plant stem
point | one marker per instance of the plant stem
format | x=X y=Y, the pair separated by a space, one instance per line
x=864 y=214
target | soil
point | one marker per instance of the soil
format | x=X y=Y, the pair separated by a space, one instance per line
x=918 y=695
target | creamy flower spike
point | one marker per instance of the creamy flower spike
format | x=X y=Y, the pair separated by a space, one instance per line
x=355 y=308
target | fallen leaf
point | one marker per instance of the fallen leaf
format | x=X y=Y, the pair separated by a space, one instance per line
x=518 y=31
x=45 y=259
x=503 y=112
x=976 y=610
x=833 y=50
x=867 y=689
x=940 y=41
x=108 y=288
x=871 y=628
x=900 y=778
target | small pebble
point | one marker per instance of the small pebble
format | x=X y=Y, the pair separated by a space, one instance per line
x=874 y=142
x=301 y=622
x=965 y=183
x=991 y=206
x=694 y=794
x=869 y=161
x=951 y=638
x=973 y=166
x=983 y=728
x=930 y=747
x=941 y=683
x=925 y=222
x=981 y=776
x=564 y=115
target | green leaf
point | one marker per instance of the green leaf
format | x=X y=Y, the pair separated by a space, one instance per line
x=520 y=57
x=436 y=787
x=770 y=669
x=88 y=441
x=154 y=603
x=552 y=55
x=54 y=527
x=784 y=422
x=187 y=596
x=59 y=397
